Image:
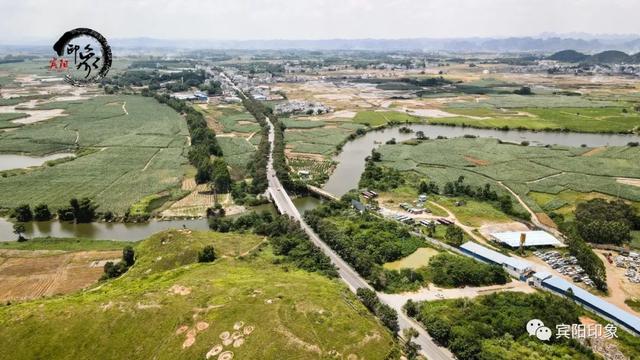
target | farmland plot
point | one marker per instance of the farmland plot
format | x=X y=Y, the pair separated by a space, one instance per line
x=135 y=153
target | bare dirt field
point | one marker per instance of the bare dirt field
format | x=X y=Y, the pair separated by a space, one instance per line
x=32 y=274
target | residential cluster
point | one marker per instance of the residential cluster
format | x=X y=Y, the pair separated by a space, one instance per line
x=632 y=264
x=301 y=107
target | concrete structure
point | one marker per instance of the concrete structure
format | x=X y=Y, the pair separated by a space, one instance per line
x=532 y=238
x=588 y=301
x=517 y=268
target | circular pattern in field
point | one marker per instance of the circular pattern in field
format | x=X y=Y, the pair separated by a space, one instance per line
x=227 y=355
x=248 y=330
x=201 y=325
x=236 y=335
x=224 y=335
x=214 y=351
x=182 y=329
x=238 y=325
x=227 y=342
x=238 y=343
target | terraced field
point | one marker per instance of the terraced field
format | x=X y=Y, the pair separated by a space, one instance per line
x=130 y=154
x=543 y=177
x=170 y=307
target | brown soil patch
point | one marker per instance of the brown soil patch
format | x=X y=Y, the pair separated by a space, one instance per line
x=180 y=290
x=594 y=151
x=546 y=220
x=28 y=274
x=475 y=161
x=627 y=181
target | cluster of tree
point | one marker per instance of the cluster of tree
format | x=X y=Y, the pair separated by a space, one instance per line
x=464 y=325
x=448 y=270
x=286 y=236
x=366 y=242
x=244 y=194
x=112 y=270
x=380 y=177
x=172 y=81
x=385 y=313
x=208 y=254
x=485 y=193
x=525 y=90
x=602 y=221
x=587 y=258
x=454 y=235
x=23 y=213
x=428 y=187
x=80 y=211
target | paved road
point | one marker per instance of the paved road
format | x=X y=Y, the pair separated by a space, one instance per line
x=283 y=202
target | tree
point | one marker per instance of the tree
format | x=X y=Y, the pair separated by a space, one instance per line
x=208 y=254
x=420 y=135
x=506 y=205
x=375 y=156
x=41 y=212
x=220 y=175
x=454 y=235
x=19 y=229
x=128 y=255
x=84 y=211
x=368 y=298
x=411 y=349
x=216 y=211
x=23 y=213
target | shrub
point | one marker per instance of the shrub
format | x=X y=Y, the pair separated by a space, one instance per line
x=207 y=254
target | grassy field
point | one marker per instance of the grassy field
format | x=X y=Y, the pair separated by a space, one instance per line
x=166 y=299
x=561 y=173
x=138 y=154
x=378 y=118
x=65 y=244
x=293 y=123
x=418 y=259
x=472 y=213
x=233 y=118
x=316 y=141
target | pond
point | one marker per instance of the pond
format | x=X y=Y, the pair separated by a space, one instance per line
x=351 y=160
x=12 y=161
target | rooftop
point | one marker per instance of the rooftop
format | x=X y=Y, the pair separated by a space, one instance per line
x=613 y=311
x=533 y=238
x=495 y=256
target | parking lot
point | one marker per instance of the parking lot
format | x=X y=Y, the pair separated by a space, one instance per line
x=566 y=265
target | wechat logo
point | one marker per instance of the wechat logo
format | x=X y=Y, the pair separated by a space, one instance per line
x=536 y=327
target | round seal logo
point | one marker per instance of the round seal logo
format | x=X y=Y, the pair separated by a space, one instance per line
x=83 y=54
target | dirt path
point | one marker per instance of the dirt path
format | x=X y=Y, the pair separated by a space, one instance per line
x=466 y=228
x=124 y=108
x=151 y=159
x=545 y=177
x=534 y=217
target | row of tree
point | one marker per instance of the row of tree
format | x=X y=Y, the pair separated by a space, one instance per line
x=80 y=211
x=113 y=270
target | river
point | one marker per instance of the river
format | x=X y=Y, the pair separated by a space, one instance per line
x=345 y=177
x=351 y=160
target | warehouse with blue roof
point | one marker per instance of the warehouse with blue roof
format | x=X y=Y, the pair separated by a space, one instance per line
x=588 y=300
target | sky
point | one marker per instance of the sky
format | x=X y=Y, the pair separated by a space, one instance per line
x=28 y=20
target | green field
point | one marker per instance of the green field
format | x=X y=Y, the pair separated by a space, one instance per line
x=6 y=119
x=238 y=152
x=378 y=118
x=316 y=141
x=543 y=112
x=292 y=123
x=64 y=244
x=233 y=118
x=293 y=314
x=136 y=155
x=523 y=169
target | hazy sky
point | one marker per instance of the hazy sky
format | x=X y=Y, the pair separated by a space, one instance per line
x=314 y=19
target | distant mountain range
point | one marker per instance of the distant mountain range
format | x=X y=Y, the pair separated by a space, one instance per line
x=545 y=44
x=514 y=44
x=605 y=57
